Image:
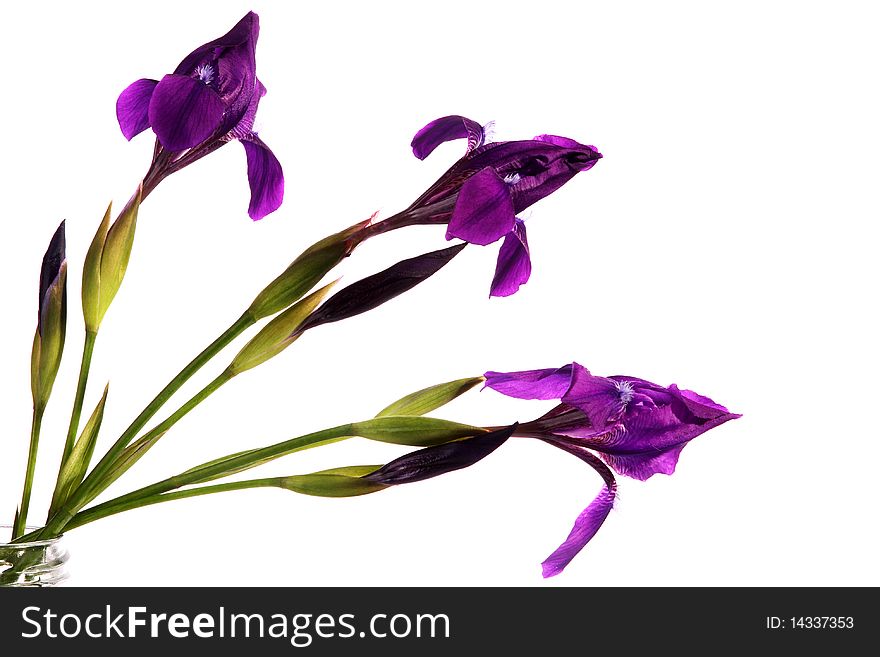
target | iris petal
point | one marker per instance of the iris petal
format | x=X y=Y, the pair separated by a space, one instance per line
x=589 y=521
x=265 y=176
x=585 y=527
x=598 y=397
x=184 y=112
x=484 y=210
x=533 y=384
x=132 y=107
x=445 y=129
x=514 y=264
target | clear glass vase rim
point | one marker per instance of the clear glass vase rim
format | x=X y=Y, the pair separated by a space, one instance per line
x=6 y=530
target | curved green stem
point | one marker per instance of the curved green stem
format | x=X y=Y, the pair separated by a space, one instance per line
x=21 y=517
x=104 y=510
x=127 y=457
x=94 y=481
x=228 y=465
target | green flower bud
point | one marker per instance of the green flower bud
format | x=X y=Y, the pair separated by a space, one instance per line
x=413 y=430
x=278 y=334
x=337 y=482
x=106 y=262
x=429 y=399
x=305 y=272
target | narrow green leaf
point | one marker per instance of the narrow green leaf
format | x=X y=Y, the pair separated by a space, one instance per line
x=127 y=458
x=429 y=399
x=74 y=469
x=278 y=334
x=413 y=430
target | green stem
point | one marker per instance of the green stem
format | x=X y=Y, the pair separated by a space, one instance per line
x=227 y=465
x=76 y=413
x=240 y=325
x=94 y=480
x=128 y=458
x=104 y=510
x=21 y=518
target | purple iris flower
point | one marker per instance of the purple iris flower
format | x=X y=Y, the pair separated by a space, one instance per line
x=480 y=196
x=638 y=428
x=210 y=99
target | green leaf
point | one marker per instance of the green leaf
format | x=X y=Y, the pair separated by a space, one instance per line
x=414 y=431
x=74 y=469
x=337 y=482
x=127 y=458
x=305 y=272
x=278 y=334
x=428 y=399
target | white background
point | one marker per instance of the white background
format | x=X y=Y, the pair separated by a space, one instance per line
x=725 y=243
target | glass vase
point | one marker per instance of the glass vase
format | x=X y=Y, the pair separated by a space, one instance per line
x=32 y=563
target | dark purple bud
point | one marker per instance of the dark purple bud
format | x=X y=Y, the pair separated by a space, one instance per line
x=49 y=272
x=435 y=461
x=373 y=291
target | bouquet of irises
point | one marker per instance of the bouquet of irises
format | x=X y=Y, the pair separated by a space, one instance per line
x=614 y=424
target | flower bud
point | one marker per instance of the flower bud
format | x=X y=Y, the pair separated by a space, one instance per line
x=337 y=482
x=413 y=430
x=305 y=272
x=278 y=334
x=428 y=399
x=51 y=320
x=373 y=291
x=106 y=262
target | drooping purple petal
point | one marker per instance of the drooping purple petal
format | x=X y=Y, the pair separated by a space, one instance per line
x=445 y=129
x=440 y=459
x=132 y=107
x=533 y=384
x=602 y=399
x=585 y=527
x=589 y=521
x=514 y=264
x=184 y=112
x=265 y=177
x=484 y=210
